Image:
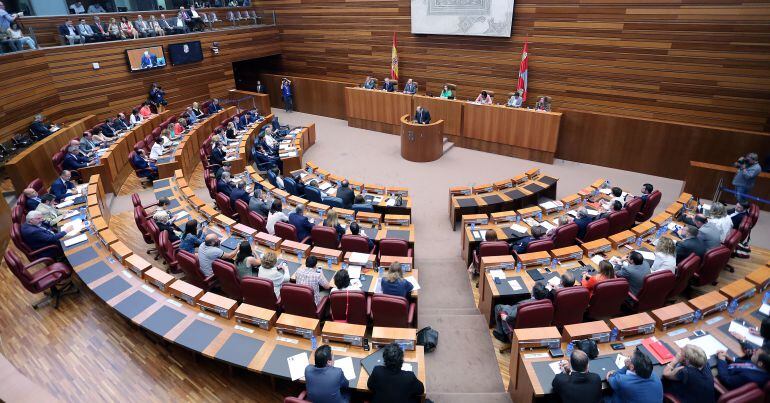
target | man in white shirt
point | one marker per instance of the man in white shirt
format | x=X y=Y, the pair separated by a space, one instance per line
x=86 y=31
x=77 y=8
x=96 y=8
x=157 y=149
x=135 y=117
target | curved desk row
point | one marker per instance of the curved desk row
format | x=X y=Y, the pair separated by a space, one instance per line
x=155 y=301
x=292 y=147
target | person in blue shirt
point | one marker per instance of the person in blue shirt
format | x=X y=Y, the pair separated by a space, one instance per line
x=394 y=284
x=238 y=194
x=735 y=374
x=325 y=382
x=192 y=236
x=61 y=187
x=634 y=382
x=582 y=221
x=300 y=222
x=288 y=101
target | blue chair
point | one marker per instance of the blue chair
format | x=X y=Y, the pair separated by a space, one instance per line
x=290 y=186
x=366 y=208
x=313 y=194
x=333 y=202
x=271 y=177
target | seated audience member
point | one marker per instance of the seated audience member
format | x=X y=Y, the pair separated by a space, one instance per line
x=192 y=237
x=645 y=193
x=484 y=98
x=543 y=104
x=135 y=117
x=718 y=216
x=300 y=222
x=218 y=153
x=141 y=162
x=40 y=129
x=70 y=33
x=410 y=87
x=100 y=30
x=167 y=25
x=163 y=221
x=87 y=143
x=127 y=29
x=155 y=27
x=108 y=128
x=33 y=199
x=157 y=150
x=225 y=167
x=196 y=22
x=276 y=214
x=145 y=110
x=61 y=187
x=231 y=132
x=735 y=374
x=708 y=232
x=37 y=236
x=325 y=382
x=214 y=107
x=246 y=264
x=210 y=251
x=575 y=384
x=360 y=204
x=258 y=204
x=613 y=207
x=617 y=195
x=388 y=85
x=332 y=220
x=113 y=30
x=394 y=283
x=562 y=221
x=634 y=382
x=370 y=83
x=606 y=272
x=163 y=204
x=238 y=194
x=16 y=35
x=688 y=378
x=142 y=27
x=447 y=93
x=47 y=207
x=390 y=383
x=690 y=243
x=98 y=137
x=515 y=100
x=346 y=194
x=582 y=221
x=224 y=185
x=277 y=274
x=191 y=117
x=520 y=246
x=664 y=256
x=121 y=123
x=567 y=280
x=763 y=331
x=86 y=31
x=96 y=8
x=197 y=110
x=342 y=281
x=71 y=160
x=355 y=229
x=507 y=313
x=634 y=269
x=308 y=275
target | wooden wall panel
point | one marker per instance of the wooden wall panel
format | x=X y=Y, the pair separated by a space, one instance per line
x=702 y=179
x=61 y=83
x=693 y=61
x=318 y=97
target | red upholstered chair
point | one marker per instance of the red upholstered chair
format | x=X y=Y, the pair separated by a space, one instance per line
x=242 y=209
x=732 y=240
x=649 y=208
x=540 y=245
x=607 y=298
x=36 y=184
x=565 y=235
x=140 y=145
x=17 y=213
x=58 y=160
x=349 y=307
x=684 y=271
x=394 y=247
x=257 y=222
x=570 y=304
x=655 y=289
x=211 y=185
x=538 y=313
x=167 y=251
x=596 y=230
x=156 y=132
x=149 y=139
x=748 y=393
x=154 y=231
x=47 y=278
x=298 y=399
x=633 y=206
x=140 y=218
x=490 y=248
x=223 y=202
x=355 y=243
x=188 y=263
x=145 y=175
x=288 y=231
x=325 y=237
x=228 y=279
x=392 y=311
x=714 y=261
x=259 y=292
x=618 y=221
x=137 y=202
x=31 y=254
x=297 y=299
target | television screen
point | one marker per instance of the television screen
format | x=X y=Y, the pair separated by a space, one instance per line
x=183 y=53
x=146 y=58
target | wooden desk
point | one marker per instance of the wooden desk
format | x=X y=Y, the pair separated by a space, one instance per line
x=421 y=143
x=260 y=101
x=35 y=161
x=376 y=110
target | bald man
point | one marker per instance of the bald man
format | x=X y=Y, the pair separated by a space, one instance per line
x=209 y=252
x=33 y=199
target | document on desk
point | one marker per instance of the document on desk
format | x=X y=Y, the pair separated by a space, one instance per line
x=479 y=234
x=65 y=203
x=355 y=285
x=742 y=330
x=497 y=273
x=324 y=185
x=354 y=271
x=413 y=281
x=605 y=191
x=620 y=361
x=407 y=367
x=76 y=240
x=70 y=214
x=390 y=202
x=514 y=284
x=591 y=212
x=549 y=205
x=359 y=258
x=597 y=259
x=297 y=364
x=554 y=281
x=547 y=225
x=708 y=343
x=346 y=365
x=764 y=309
x=555 y=367
x=519 y=228
x=180 y=215
x=647 y=255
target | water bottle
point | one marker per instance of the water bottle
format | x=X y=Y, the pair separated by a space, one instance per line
x=539 y=215
x=300 y=254
x=329 y=263
x=313 y=341
x=379 y=271
x=766 y=297
x=516 y=218
x=250 y=239
x=518 y=266
x=570 y=347
x=473 y=226
x=639 y=240
x=345 y=265
x=732 y=307
x=696 y=317
x=227 y=230
x=614 y=334
x=554 y=262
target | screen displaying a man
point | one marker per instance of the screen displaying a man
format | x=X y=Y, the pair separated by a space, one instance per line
x=149 y=59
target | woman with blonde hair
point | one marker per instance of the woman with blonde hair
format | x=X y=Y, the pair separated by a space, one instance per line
x=688 y=377
x=393 y=282
x=718 y=215
x=277 y=274
x=665 y=258
x=113 y=29
x=332 y=220
x=163 y=221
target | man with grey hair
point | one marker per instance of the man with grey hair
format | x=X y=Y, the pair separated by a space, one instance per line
x=141 y=26
x=210 y=251
x=690 y=243
x=42 y=239
x=748 y=170
x=300 y=222
x=582 y=221
x=38 y=128
x=224 y=185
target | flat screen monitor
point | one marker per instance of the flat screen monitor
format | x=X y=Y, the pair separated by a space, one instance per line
x=151 y=57
x=184 y=53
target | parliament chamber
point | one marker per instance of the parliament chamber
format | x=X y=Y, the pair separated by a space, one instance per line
x=385 y=201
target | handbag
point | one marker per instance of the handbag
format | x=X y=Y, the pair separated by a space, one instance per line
x=428 y=338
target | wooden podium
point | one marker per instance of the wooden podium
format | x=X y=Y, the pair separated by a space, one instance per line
x=421 y=143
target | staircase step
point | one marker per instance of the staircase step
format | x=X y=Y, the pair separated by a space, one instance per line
x=447 y=145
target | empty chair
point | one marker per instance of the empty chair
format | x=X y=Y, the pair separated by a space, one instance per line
x=535 y=313
x=570 y=304
x=565 y=235
x=141 y=224
x=325 y=237
x=257 y=221
x=355 y=243
x=684 y=271
x=540 y=245
x=50 y=278
x=349 y=307
x=228 y=279
x=137 y=202
x=655 y=289
x=649 y=207
x=259 y=292
x=597 y=230
x=490 y=248
x=188 y=263
x=714 y=261
x=633 y=207
x=618 y=222
x=607 y=299
x=297 y=299
x=167 y=251
x=392 y=311
x=394 y=247
x=289 y=232
x=242 y=209
x=748 y=393
x=58 y=161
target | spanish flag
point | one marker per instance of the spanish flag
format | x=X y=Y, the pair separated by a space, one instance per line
x=394 y=60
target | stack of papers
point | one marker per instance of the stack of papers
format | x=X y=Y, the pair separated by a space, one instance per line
x=297 y=364
x=390 y=202
x=742 y=330
x=592 y=212
x=354 y=271
x=514 y=284
x=324 y=185
x=606 y=191
x=647 y=255
x=597 y=259
x=479 y=234
x=497 y=273
x=376 y=199
x=359 y=258
x=76 y=240
x=555 y=367
x=406 y=367
x=549 y=205
x=519 y=228
x=620 y=361
x=355 y=285
x=346 y=365
x=547 y=225
x=764 y=309
x=413 y=281
x=708 y=343
x=554 y=281
x=180 y=215
x=69 y=214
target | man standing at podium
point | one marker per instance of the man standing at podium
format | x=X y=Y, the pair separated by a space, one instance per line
x=422 y=116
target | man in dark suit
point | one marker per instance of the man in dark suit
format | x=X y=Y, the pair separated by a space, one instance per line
x=218 y=154
x=388 y=85
x=238 y=194
x=422 y=116
x=107 y=128
x=390 y=383
x=325 y=382
x=635 y=272
x=262 y=157
x=736 y=374
x=36 y=236
x=33 y=199
x=259 y=88
x=166 y=25
x=312 y=192
x=346 y=194
x=520 y=246
x=575 y=383
x=38 y=128
x=71 y=160
x=646 y=190
x=100 y=30
x=140 y=162
x=258 y=205
x=62 y=185
x=582 y=221
x=360 y=204
x=120 y=122
x=299 y=221
x=70 y=33
x=567 y=280
x=214 y=107
x=223 y=184
x=689 y=244
x=741 y=209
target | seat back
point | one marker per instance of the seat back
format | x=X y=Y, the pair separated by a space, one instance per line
x=297 y=299
x=684 y=271
x=136 y=200
x=17 y=268
x=290 y=186
x=540 y=245
x=228 y=279
x=597 y=230
x=745 y=228
x=259 y=292
x=712 y=264
x=649 y=208
x=569 y=305
x=655 y=289
x=325 y=237
x=354 y=243
x=141 y=224
x=58 y=161
x=17 y=213
x=633 y=207
x=313 y=194
x=732 y=239
x=18 y=241
x=748 y=393
x=607 y=298
x=36 y=184
x=154 y=231
x=188 y=263
x=390 y=311
x=493 y=248
x=223 y=202
x=394 y=247
x=537 y=313
x=565 y=235
x=243 y=212
x=166 y=249
x=332 y=201
x=349 y=306
x=618 y=221
x=271 y=177
x=257 y=221
x=286 y=231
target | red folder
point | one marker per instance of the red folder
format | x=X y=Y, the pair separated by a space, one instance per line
x=657 y=349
